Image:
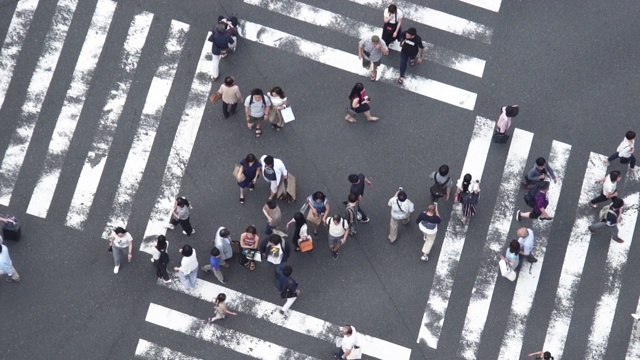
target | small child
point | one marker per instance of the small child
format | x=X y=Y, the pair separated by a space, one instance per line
x=273 y=214
x=214 y=265
x=221 y=308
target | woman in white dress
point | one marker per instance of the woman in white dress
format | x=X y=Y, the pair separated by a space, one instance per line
x=278 y=102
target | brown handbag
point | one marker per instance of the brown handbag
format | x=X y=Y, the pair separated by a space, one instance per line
x=215 y=97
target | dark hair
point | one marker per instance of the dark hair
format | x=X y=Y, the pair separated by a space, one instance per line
x=220 y=298
x=352 y=197
x=162 y=243
x=250 y=158
x=278 y=91
x=215 y=252
x=287 y=270
x=614 y=175
x=541 y=161
x=181 y=202
x=411 y=31
x=443 y=170
x=547 y=356
x=337 y=217
x=543 y=185
x=251 y=230
x=268 y=160
x=299 y=218
x=271 y=204
x=617 y=203
x=466 y=181
x=256 y=91
x=275 y=239
x=393 y=8
x=349 y=329
x=220 y=28
x=187 y=250
x=228 y=80
x=402 y=196
x=512 y=111
x=514 y=246
x=356 y=90
x=319 y=195
x=120 y=230
x=630 y=135
x=353 y=178
x=224 y=232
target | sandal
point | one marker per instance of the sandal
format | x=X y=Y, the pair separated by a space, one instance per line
x=258 y=133
x=252 y=266
x=252 y=186
x=412 y=63
x=401 y=80
x=241 y=200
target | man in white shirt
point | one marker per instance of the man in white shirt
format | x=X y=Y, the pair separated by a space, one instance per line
x=527 y=241
x=337 y=233
x=348 y=344
x=609 y=191
x=273 y=171
x=625 y=151
x=401 y=209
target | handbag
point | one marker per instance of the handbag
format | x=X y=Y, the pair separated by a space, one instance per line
x=287 y=114
x=215 y=97
x=506 y=271
x=305 y=244
x=238 y=173
x=304 y=207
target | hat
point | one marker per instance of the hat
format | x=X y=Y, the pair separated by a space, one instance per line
x=411 y=31
x=375 y=38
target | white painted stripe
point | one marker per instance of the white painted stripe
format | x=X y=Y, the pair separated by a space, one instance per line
x=633 y=351
x=529 y=276
x=294 y=321
x=493 y=5
x=97 y=157
x=501 y=219
x=615 y=266
x=181 y=149
x=151 y=351
x=348 y=26
x=574 y=258
x=436 y=19
x=13 y=43
x=223 y=336
x=147 y=128
x=350 y=62
x=71 y=109
x=454 y=238
x=38 y=87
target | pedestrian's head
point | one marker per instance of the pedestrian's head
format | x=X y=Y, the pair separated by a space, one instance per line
x=271 y=204
x=614 y=175
x=617 y=203
x=224 y=233
x=299 y=218
x=347 y=330
x=375 y=39
x=337 y=218
x=512 y=110
x=352 y=197
x=353 y=178
x=186 y=250
x=411 y=31
x=229 y=81
x=275 y=239
x=277 y=91
x=120 y=231
x=356 y=90
x=392 y=9
x=215 y=252
x=251 y=230
x=543 y=185
x=431 y=208
x=630 y=135
x=547 y=356
x=268 y=161
x=161 y=245
x=250 y=159
x=221 y=298
x=402 y=196
x=540 y=162
x=522 y=232
x=181 y=202
x=443 y=170
x=257 y=94
x=287 y=270
x=466 y=181
x=318 y=196
x=220 y=28
x=514 y=246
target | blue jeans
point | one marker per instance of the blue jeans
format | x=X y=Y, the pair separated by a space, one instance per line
x=632 y=159
x=404 y=60
x=268 y=230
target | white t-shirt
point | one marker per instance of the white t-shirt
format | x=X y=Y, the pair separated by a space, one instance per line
x=189 y=263
x=625 y=148
x=277 y=101
x=608 y=186
x=393 y=16
x=122 y=242
x=348 y=342
x=275 y=255
x=400 y=210
x=339 y=229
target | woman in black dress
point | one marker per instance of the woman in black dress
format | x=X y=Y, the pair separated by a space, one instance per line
x=251 y=169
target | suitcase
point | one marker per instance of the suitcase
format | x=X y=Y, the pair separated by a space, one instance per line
x=11 y=230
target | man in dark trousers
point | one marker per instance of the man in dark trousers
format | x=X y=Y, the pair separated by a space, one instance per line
x=412 y=51
x=611 y=219
x=288 y=288
x=357 y=188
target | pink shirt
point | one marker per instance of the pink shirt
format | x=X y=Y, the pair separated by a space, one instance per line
x=504 y=122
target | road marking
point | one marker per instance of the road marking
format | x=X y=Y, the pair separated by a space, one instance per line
x=181 y=149
x=574 y=258
x=36 y=93
x=219 y=335
x=294 y=321
x=97 y=157
x=151 y=351
x=493 y=5
x=436 y=19
x=454 y=238
x=350 y=62
x=529 y=276
x=71 y=109
x=348 y=26
x=147 y=128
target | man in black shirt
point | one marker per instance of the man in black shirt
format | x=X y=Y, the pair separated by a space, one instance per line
x=357 y=188
x=412 y=51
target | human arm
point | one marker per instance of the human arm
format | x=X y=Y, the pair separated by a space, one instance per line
x=535 y=175
x=551 y=173
x=256 y=243
x=395 y=34
x=446 y=198
x=355 y=102
x=360 y=50
x=257 y=175
x=266 y=213
x=289 y=223
x=367 y=181
x=420 y=53
x=229 y=312
x=326 y=211
x=536 y=353
x=267 y=106
x=130 y=249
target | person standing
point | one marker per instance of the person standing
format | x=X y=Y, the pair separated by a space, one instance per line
x=527 y=241
x=288 y=288
x=401 y=210
x=249 y=242
x=256 y=107
x=220 y=40
x=318 y=210
x=441 y=184
x=348 y=344
x=188 y=270
x=161 y=259
x=230 y=96
x=273 y=214
x=121 y=244
x=428 y=223
x=338 y=233
x=539 y=209
x=180 y=215
x=300 y=230
x=467 y=195
x=251 y=170
x=274 y=171
x=506 y=115
x=223 y=243
x=392 y=24
x=539 y=172
x=214 y=265
x=611 y=219
x=221 y=308
x=412 y=51
x=625 y=151
x=278 y=102
x=357 y=187
x=359 y=104
x=512 y=255
x=161 y=241
x=6 y=265
x=609 y=191
x=371 y=51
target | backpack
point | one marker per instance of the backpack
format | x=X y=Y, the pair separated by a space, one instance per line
x=604 y=211
x=438 y=190
x=530 y=196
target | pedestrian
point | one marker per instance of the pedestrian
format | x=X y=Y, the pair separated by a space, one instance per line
x=467 y=194
x=256 y=107
x=539 y=172
x=428 y=223
x=188 y=269
x=6 y=265
x=357 y=187
x=180 y=215
x=371 y=50
x=351 y=213
x=359 y=104
x=319 y=208
x=162 y=260
x=392 y=24
x=278 y=102
x=527 y=241
x=609 y=188
x=625 y=151
x=230 y=96
x=249 y=242
x=251 y=169
x=289 y=288
x=338 y=233
x=277 y=252
x=121 y=245
x=610 y=216
x=274 y=171
x=506 y=115
x=512 y=255
x=223 y=243
x=401 y=210
x=231 y=28
x=273 y=214
x=348 y=344
x=214 y=265
x=539 y=204
x=300 y=229
x=412 y=51
x=221 y=308
x=545 y=355
x=441 y=184
x=220 y=40
x=161 y=241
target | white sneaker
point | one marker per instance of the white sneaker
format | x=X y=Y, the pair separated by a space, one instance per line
x=171 y=226
x=192 y=232
x=116 y=269
x=636 y=316
x=166 y=281
x=424 y=258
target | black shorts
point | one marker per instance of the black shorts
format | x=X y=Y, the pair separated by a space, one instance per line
x=535 y=214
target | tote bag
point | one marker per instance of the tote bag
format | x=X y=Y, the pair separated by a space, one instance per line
x=287 y=115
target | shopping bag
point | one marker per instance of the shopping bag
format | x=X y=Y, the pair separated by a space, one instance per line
x=306 y=244
x=506 y=271
x=287 y=189
x=287 y=114
x=238 y=173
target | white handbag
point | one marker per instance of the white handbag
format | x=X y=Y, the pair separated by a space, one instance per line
x=506 y=271
x=287 y=114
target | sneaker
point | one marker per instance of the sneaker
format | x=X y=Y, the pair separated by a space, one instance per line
x=222 y=281
x=116 y=269
x=545 y=218
x=9 y=279
x=518 y=216
x=590 y=229
x=171 y=226
x=192 y=232
x=152 y=260
x=335 y=255
x=636 y=316
x=424 y=258
x=281 y=311
x=205 y=270
x=618 y=240
x=167 y=281
x=364 y=221
x=210 y=319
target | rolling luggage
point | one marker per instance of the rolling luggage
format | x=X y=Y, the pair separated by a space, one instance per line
x=11 y=230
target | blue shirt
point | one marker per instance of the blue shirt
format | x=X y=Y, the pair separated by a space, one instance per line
x=215 y=263
x=513 y=260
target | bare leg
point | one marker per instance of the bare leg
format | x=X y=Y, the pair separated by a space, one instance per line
x=369 y=117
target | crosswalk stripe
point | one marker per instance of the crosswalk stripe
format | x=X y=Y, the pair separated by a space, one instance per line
x=181 y=148
x=294 y=320
x=454 y=238
x=501 y=219
x=436 y=19
x=71 y=109
x=12 y=45
x=38 y=87
x=348 y=26
x=223 y=336
x=528 y=280
x=574 y=259
x=350 y=62
x=493 y=5
x=633 y=350
x=97 y=157
x=152 y=351
x=147 y=128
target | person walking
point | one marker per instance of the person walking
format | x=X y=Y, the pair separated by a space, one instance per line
x=392 y=24
x=249 y=242
x=441 y=184
x=609 y=188
x=214 y=265
x=231 y=27
x=401 y=210
x=527 y=241
x=160 y=259
x=257 y=108
x=428 y=223
x=278 y=102
x=610 y=218
x=180 y=215
x=319 y=208
x=539 y=208
x=251 y=169
x=121 y=244
x=274 y=171
x=625 y=151
x=277 y=252
x=338 y=233
x=223 y=243
x=538 y=173
x=230 y=96
x=545 y=355
x=221 y=308
x=351 y=212
x=370 y=51
x=359 y=104
x=273 y=214
x=507 y=113
x=220 y=40
x=188 y=269
x=468 y=194
x=357 y=187
x=300 y=230
x=348 y=344
x=6 y=265
x=288 y=288
x=412 y=51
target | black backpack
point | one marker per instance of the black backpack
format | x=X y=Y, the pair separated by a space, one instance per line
x=530 y=196
x=438 y=190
